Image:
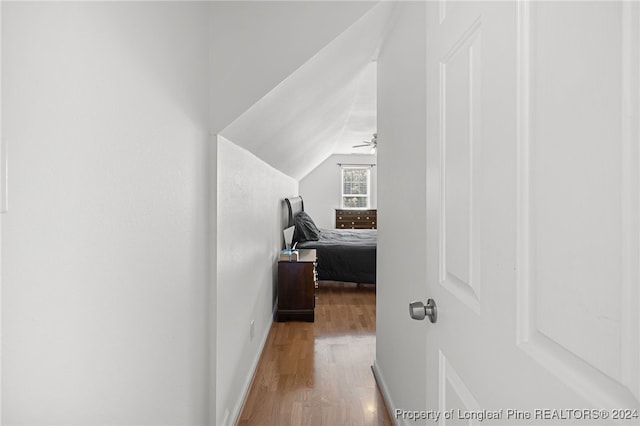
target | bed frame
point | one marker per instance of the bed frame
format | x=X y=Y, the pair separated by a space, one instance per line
x=345 y=255
x=295 y=206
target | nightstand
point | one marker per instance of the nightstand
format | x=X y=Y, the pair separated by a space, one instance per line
x=297 y=281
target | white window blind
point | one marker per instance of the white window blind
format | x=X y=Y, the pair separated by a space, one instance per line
x=355 y=187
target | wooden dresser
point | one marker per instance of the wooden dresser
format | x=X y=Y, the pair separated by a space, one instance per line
x=356 y=219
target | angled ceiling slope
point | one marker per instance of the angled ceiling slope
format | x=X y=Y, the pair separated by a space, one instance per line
x=254 y=45
x=296 y=125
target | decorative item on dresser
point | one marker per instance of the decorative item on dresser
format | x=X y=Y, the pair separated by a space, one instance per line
x=356 y=219
x=297 y=283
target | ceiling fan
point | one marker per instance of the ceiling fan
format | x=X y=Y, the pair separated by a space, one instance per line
x=373 y=143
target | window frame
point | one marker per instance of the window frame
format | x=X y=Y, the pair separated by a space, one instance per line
x=366 y=196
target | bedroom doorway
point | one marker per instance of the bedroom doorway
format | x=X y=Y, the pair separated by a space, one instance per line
x=316 y=364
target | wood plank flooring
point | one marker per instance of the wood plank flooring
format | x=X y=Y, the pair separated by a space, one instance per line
x=320 y=373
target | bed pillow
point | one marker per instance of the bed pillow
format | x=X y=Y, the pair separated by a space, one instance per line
x=306 y=229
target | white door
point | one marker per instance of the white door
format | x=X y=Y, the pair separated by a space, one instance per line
x=533 y=212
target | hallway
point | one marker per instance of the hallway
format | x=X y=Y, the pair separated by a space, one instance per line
x=320 y=373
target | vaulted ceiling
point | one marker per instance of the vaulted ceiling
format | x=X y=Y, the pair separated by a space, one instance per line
x=321 y=107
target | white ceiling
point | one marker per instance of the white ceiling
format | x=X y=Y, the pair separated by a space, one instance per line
x=324 y=107
x=255 y=45
x=361 y=122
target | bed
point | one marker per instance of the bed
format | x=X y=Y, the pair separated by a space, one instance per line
x=347 y=255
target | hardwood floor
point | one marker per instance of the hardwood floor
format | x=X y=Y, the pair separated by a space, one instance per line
x=320 y=373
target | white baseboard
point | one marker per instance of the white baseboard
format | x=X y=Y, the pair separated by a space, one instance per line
x=384 y=390
x=237 y=409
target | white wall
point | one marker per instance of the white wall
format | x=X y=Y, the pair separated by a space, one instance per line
x=322 y=192
x=1 y=159
x=250 y=194
x=104 y=269
x=401 y=206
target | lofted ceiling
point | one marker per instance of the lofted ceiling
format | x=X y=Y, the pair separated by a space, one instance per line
x=325 y=106
x=361 y=120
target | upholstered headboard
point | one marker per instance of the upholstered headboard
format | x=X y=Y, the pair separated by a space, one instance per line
x=295 y=205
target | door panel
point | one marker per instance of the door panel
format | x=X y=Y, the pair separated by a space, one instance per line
x=453 y=393
x=471 y=82
x=577 y=172
x=533 y=215
x=460 y=112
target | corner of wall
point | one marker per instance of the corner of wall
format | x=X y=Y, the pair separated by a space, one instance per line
x=212 y=272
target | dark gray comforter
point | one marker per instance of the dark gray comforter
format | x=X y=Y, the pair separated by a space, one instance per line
x=345 y=255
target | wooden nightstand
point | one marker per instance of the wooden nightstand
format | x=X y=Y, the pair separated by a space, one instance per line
x=296 y=288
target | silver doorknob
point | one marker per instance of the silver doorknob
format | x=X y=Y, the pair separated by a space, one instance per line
x=419 y=311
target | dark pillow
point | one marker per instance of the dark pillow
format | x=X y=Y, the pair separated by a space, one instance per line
x=305 y=230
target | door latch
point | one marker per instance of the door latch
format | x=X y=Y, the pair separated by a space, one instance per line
x=419 y=311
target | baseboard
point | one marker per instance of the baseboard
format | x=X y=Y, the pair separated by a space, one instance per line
x=235 y=415
x=384 y=390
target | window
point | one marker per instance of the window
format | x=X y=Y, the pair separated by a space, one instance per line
x=355 y=187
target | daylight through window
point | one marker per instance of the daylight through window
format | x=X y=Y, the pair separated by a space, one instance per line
x=355 y=187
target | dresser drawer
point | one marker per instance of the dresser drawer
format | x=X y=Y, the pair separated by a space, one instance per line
x=356 y=225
